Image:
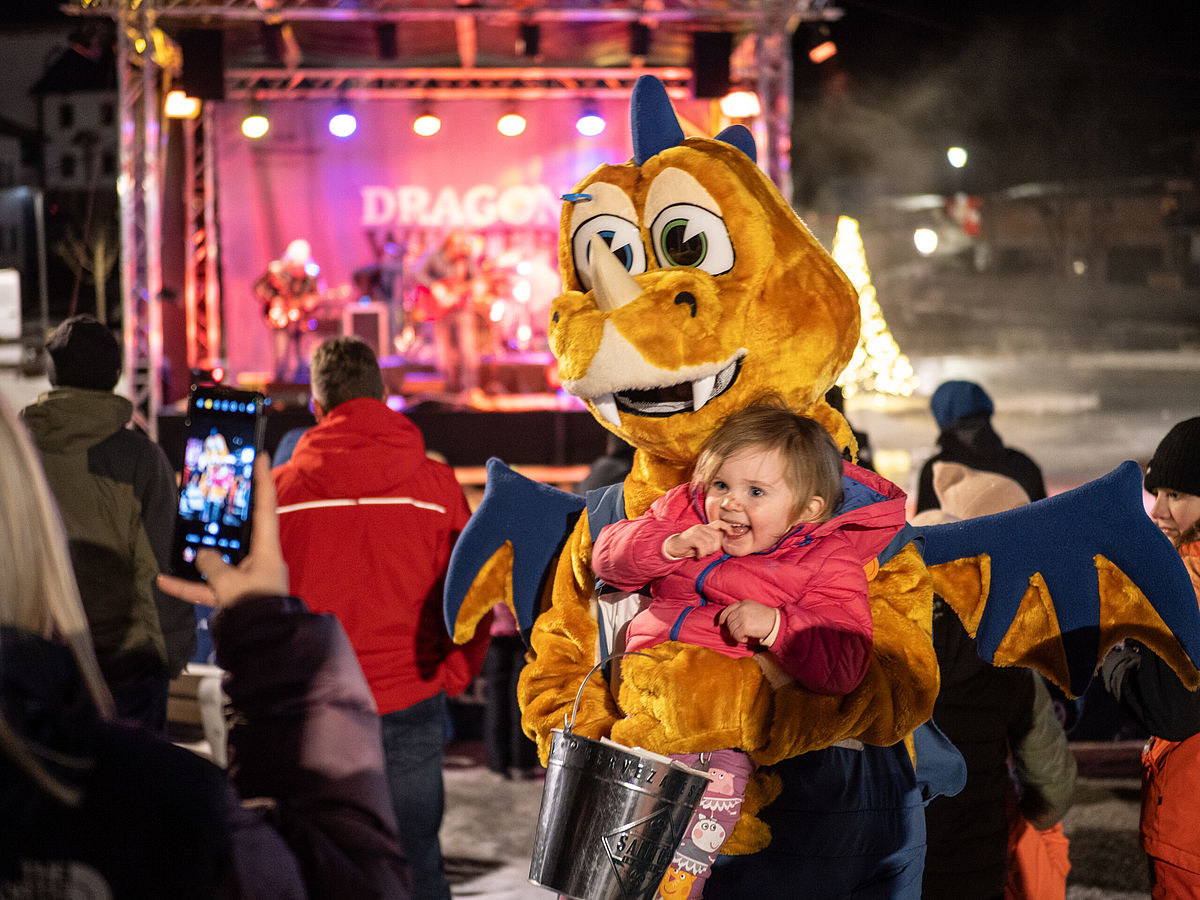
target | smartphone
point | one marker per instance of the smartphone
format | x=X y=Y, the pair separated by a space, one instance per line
x=223 y=435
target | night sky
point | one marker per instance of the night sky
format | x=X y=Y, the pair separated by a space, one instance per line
x=1035 y=89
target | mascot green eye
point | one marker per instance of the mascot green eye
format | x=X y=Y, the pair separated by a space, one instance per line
x=622 y=237
x=688 y=235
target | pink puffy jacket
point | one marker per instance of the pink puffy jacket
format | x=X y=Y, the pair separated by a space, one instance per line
x=814 y=575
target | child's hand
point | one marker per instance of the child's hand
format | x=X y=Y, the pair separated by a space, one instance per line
x=748 y=620
x=697 y=542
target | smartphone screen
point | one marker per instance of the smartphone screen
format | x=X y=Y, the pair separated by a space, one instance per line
x=223 y=434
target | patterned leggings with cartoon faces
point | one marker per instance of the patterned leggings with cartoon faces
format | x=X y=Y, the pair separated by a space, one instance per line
x=711 y=824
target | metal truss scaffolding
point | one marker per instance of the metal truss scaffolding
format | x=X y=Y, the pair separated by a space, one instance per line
x=202 y=294
x=141 y=212
x=145 y=60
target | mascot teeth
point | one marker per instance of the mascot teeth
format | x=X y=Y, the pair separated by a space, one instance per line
x=669 y=400
x=606 y=407
x=702 y=391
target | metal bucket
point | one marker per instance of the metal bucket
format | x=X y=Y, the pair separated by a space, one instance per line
x=611 y=818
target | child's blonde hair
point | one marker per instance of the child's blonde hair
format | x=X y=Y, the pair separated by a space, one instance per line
x=38 y=593
x=812 y=463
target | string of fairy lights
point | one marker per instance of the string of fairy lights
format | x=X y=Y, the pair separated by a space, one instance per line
x=877 y=365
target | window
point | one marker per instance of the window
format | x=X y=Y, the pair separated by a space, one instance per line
x=107 y=113
x=108 y=163
x=66 y=166
x=66 y=115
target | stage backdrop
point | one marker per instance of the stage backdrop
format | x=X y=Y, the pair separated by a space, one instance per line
x=385 y=195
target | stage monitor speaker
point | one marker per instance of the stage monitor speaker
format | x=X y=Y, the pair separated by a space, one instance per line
x=289 y=395
x=710 y=63
x=203 y=75
x=368 y=321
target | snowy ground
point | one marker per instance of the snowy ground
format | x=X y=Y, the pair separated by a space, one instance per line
x=488 y=833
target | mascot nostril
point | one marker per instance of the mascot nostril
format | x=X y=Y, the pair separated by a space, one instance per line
x=686 y=298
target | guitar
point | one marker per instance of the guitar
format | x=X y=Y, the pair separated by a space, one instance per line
x=442 y=297
x=286 y=299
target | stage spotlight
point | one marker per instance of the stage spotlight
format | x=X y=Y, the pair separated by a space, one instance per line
x=511 y=124
x=591 y=123
x=256 y=124
x=180 y=106
x=208 y=371
x=342 y=123
x=741 y=104
x=821 y=46
x=427 y=124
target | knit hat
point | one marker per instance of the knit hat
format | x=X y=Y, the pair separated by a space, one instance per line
x=965 y=493
x=1176 y=462
x=83 y=353
x=955 y=400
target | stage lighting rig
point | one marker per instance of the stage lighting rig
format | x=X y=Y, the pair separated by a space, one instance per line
x=741 y=104
x=342 y=123
x=256 y=123
x=590 y=123
x=208 y=371
x=179 y=105
x=427 y=124
x=511 y=124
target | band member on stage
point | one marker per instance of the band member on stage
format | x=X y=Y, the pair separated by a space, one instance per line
x=288 y=290
x=449 y=291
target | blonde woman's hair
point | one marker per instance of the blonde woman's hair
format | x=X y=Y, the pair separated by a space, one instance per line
x=812 y=463
x=38 y=593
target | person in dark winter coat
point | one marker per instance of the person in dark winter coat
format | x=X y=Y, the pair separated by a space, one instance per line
x=963 y=411
x=95 y=807
x=992 y=715
x=116 y=492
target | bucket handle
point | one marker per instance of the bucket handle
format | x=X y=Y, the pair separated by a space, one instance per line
x=568 y=725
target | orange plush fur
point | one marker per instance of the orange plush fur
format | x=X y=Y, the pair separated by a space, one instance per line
x=787 y=318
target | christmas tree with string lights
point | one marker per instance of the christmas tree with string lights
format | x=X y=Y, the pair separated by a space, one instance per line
x=877 y=366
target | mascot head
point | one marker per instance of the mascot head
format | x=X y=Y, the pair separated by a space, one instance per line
x=691 y=288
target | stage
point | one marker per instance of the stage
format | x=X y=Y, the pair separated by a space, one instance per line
x=529 y=429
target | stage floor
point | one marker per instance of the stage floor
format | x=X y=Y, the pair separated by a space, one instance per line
x=545 y=430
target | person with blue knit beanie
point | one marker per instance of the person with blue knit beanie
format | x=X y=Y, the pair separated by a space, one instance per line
x=963 y=412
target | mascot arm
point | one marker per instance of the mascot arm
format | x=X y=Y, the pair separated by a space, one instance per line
x=681 y=698
x=564 y=641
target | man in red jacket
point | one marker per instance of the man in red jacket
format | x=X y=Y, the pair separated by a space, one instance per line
x=367 y=523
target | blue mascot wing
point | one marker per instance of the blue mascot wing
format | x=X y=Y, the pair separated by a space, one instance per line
x=534 y=517
x=1058 y=537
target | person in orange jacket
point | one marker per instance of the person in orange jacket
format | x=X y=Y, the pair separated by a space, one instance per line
x=1154 y=695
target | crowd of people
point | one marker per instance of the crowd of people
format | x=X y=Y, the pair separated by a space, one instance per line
x=339 y=668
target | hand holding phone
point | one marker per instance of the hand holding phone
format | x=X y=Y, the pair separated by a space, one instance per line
x=261 y=573
x=224 y=433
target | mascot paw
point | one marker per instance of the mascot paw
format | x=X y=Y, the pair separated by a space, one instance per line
x=730 y=703
x=751 y=833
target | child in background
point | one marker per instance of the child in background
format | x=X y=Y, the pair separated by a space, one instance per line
x=761 y=554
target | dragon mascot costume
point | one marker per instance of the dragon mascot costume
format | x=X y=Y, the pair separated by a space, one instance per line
x=690 y=289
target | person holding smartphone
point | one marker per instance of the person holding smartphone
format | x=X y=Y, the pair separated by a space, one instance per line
x=116 y=491
x=98 y=807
